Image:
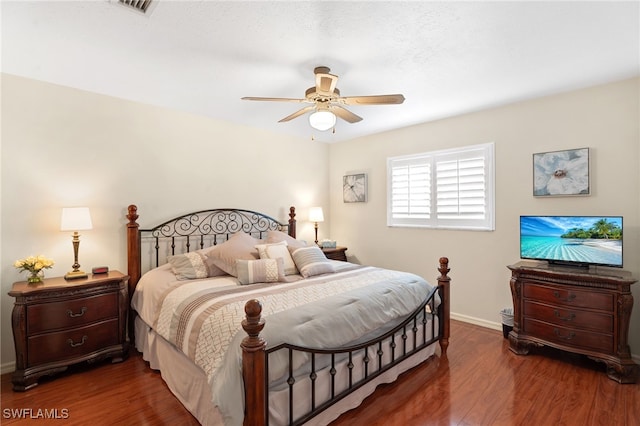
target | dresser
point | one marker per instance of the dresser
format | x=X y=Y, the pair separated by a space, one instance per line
x=58 y=323
x=577 y=310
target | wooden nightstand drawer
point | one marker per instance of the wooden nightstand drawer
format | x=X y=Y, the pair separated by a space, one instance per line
x=58 y=323
x=73 y=343
x=570 y=297
x=71 y=313
x=569 y=336
x=569 y=317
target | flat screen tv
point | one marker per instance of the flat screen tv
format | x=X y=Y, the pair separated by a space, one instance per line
x=572 y=240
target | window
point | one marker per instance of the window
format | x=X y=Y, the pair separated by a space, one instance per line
x=442 y=189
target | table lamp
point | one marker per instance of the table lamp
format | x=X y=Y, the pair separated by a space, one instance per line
x=75 y=219
x=315 y=215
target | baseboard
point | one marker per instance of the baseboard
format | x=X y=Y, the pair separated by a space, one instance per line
x=477 y=321
x=498 y=326
x=8 y=367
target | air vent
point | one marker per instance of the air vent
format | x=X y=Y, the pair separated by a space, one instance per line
x=139 y=5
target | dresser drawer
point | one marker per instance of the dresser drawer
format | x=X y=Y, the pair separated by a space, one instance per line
x=569 y=317
x=573 y=337
x=57 y=346
x=570 y=297
x=71 y=313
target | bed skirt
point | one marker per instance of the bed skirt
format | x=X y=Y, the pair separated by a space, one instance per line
x=188 y=382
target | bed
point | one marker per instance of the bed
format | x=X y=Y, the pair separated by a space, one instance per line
x=248 y=325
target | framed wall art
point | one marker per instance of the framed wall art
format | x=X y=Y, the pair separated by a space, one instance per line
x=354 y=188
x=561 y=173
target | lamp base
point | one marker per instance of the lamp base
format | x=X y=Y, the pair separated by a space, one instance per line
x=74 y=275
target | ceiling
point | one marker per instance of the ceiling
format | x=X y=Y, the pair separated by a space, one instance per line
x=447 y=58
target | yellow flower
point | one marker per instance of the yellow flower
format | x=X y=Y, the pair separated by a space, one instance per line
x=33 y=264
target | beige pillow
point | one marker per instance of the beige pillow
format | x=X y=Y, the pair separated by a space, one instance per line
x=312 y=261
x=214 y=271
x=194 y=265
x=260 y=271
x=240 y=246
x=188 y=266
x=278 y=236
x=278 y=251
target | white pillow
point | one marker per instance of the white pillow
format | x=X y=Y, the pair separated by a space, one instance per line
x=312 y=261
x=278 y=251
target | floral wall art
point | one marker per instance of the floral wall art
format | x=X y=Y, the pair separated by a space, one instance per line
x=561 y=173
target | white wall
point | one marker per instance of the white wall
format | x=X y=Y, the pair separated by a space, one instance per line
x=63 y=147
x=604 y=119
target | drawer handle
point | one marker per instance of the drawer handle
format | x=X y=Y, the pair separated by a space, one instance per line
x=567 y=299
x=74 y=315
x=570 y=317
x=75 y=345
x=569 y=337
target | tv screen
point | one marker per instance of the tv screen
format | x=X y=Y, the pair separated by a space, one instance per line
x=572 y=240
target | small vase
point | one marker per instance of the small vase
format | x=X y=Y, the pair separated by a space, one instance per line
x=35 y=277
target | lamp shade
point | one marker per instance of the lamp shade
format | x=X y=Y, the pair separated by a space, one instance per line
x=75 y=219
x=315 y=214
x=322 y=120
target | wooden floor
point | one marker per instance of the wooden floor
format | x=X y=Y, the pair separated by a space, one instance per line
x=480 y=383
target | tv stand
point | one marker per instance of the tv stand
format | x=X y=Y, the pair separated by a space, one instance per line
x=581 y=311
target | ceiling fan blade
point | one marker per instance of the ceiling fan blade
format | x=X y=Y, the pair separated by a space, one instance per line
x=345 y=114
x=372 y=100
x=253 y=98
x=298 y=113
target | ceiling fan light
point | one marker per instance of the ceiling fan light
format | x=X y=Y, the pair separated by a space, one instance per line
x=322 y=120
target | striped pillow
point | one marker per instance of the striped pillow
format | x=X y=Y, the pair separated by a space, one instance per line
x=311 y=261
x=189 y=266
x=260 y=271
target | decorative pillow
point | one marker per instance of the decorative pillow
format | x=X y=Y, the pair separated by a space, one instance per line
x=260 y=271
x=214 y=271
x=311 y=261
x=278 y=236
x=189 y=266
x=240 y=246
x=278 y=251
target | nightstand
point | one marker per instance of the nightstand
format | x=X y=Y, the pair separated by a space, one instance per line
x=336 y=253
x=58 y=323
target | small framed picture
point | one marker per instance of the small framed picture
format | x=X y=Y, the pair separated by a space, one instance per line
x=354 y=188
x=561 y=173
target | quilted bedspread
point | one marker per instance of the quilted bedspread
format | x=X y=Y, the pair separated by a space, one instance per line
x=204 y=321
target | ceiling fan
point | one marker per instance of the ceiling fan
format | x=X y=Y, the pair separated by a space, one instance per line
x=327 y=104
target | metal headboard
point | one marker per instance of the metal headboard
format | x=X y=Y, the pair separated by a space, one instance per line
x=149 y=248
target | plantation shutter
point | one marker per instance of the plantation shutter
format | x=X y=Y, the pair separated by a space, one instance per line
x=444 y=189
x=410 y=190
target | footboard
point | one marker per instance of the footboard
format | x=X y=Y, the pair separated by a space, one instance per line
x=371 y=358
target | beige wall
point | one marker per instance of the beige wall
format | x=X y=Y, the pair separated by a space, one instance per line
x=63 y=147
x=604 y=119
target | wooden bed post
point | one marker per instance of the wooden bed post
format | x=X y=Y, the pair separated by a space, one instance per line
x=253 y=366
x=292 y=222
x=133 y=263
x=445 y=313
x=133 y=248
